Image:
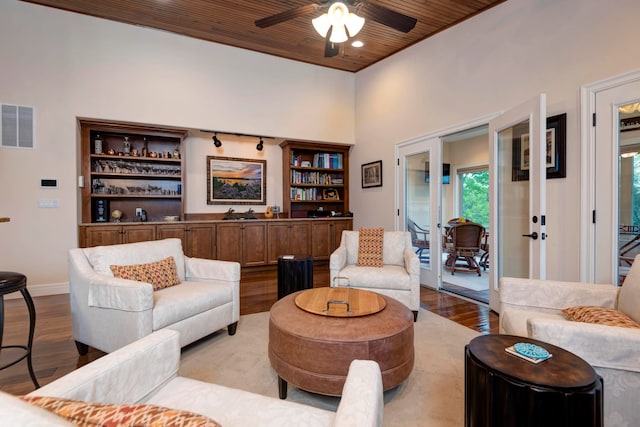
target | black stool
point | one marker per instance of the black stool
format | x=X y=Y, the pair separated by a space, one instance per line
x=12 y=282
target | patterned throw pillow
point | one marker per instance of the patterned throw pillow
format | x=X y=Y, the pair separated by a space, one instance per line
x=161 y=274
x=112 y=415
x=370 y=247
x=599 y=315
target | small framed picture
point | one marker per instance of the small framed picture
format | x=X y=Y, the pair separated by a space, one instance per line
x=372 y=174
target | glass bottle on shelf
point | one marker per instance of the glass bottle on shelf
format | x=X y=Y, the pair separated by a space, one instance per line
x=126 y=146
x=97 y=145
x=145 y=148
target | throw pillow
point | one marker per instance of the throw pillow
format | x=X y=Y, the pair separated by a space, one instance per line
x=161 y=274
x=599 y=315
x=118 y=415
x=370 y=242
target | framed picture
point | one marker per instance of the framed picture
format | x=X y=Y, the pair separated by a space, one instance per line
x=556 y=149
x=233 y=181
x=372 y=174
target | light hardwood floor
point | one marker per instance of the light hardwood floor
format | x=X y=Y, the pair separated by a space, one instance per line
x=54 y=351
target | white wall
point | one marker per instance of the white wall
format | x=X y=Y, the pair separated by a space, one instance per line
x=488 y=64
x=68 y=65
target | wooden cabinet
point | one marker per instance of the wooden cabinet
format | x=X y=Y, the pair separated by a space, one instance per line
x=198 y=239
x=116 y=234
x=288 y=238
x=326 y=235
x=127 y=168
x=315 y=177
x=242 y=241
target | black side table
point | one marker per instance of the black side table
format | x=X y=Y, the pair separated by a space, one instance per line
x=13 y=282
x=504 y=390
x=295 y=273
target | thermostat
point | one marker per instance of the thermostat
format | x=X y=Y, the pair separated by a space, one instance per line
x=48 y=183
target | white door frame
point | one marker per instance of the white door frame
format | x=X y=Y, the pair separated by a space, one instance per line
x=587 y=173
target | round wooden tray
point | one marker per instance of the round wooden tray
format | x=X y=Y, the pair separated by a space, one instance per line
x=340 y=302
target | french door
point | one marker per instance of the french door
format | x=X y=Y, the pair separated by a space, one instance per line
x=517 y=171
x=418 y=174
x=616 y=182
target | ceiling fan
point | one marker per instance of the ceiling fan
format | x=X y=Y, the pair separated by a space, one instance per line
x=338 y=23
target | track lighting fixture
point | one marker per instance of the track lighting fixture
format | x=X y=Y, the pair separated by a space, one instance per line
x=260 y=145
x=216 y=141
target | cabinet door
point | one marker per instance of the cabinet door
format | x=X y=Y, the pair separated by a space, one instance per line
x=229 y=242
x=338 y=228
x=138 y=233
x=178 y=231
x=103 y=235
x=201 y=241
x=254 y=243
x=300 y=238
x=320 y=239
x=278 y=240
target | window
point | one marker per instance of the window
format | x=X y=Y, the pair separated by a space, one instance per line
x=474 y=194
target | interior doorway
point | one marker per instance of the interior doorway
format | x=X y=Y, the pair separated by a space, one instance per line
x=465 y=198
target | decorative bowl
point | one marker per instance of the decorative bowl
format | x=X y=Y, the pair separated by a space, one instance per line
x=531 y=350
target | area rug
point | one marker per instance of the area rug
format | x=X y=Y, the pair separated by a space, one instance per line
x=433 y=395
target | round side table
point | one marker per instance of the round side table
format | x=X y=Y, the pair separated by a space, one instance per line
x=13 y=282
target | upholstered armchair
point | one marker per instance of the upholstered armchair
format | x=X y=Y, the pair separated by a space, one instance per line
x=398 y=277
x=108 y=312
x=534 y=308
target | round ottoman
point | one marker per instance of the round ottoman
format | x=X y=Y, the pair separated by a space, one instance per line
x=313 y=352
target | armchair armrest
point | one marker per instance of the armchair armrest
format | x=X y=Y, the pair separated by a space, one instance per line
x=209 y=269
x=411 y=262
x=553 y=296
x=362 y=399
x=128 y=375
x=337 y=261
x=119 y=294
x=600 y=345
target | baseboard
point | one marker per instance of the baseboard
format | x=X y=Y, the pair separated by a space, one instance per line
x=43 y=290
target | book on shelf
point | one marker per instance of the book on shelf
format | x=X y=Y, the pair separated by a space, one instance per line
x=533 y=360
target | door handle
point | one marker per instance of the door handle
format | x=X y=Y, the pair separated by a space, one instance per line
x=533 y=235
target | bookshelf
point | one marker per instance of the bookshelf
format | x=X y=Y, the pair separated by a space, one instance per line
x=315 y=178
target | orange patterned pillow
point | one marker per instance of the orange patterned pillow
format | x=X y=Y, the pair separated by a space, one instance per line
x=599 y=315
x=161 y=274
x=113 y=415
x=370 y=247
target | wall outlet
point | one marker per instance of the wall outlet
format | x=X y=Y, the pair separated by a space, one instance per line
x=138 y=211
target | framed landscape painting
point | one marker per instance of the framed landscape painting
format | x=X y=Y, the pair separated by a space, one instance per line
x=233 y=181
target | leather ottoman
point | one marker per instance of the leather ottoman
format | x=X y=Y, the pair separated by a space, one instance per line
x=313 y=352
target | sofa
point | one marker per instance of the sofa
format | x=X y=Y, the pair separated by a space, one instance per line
x=398 y=277
x=534 y=308
x=110 y=312
x=145 y=372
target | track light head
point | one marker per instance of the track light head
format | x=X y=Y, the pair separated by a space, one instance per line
x=260 y=145
x=216 y=141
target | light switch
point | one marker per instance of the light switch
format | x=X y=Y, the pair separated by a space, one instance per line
x=48 y=203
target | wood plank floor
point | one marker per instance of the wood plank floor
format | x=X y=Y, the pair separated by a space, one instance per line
x=54 y=351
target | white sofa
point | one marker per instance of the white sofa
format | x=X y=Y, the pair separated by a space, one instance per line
x=398 y=278
x=146 y=372
x=108 y=313
x=533 y=308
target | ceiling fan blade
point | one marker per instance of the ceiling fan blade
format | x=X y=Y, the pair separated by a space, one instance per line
x=286 y=15
x=388 y=17
x=330 y=48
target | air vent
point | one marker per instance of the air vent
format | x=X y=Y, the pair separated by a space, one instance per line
x=16 y=127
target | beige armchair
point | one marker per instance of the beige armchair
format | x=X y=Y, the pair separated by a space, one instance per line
x=398 y=278
x=533 y=308
x=108 y=312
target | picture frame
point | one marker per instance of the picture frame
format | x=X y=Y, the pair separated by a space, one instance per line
x=372 y=174
x=236 y=181
x=556 y=149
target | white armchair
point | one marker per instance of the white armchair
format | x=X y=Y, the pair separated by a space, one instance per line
x=398 y=278
x=533 y=308
x=108 y=312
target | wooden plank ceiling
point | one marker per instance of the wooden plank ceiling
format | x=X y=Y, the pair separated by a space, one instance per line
x=232 y=22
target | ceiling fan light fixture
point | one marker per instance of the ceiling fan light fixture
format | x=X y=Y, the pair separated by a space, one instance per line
x=338 y=14
x=354 y=24
x=322 y=24
x=339 y=34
